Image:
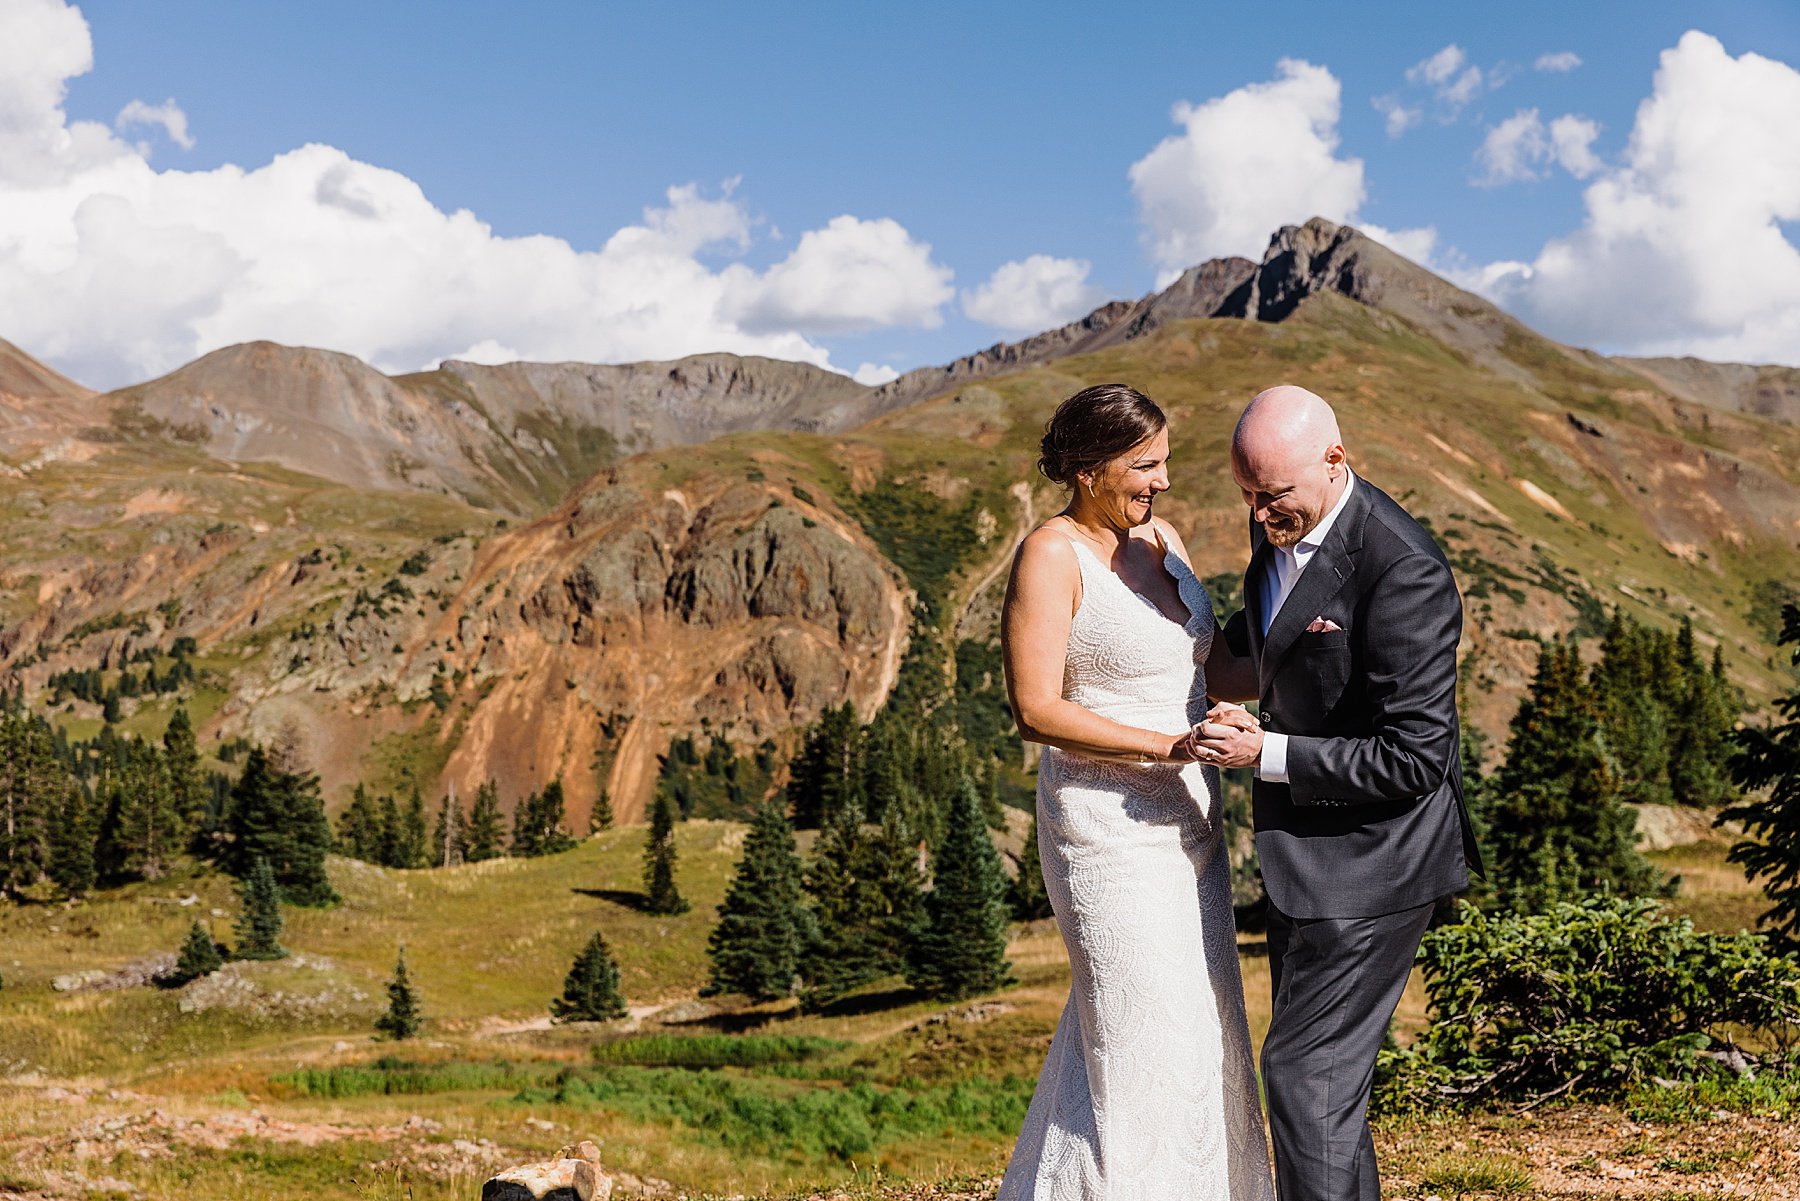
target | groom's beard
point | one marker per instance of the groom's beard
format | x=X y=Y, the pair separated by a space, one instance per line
x=1287 y=532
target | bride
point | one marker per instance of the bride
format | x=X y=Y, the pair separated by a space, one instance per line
x=1109 y=640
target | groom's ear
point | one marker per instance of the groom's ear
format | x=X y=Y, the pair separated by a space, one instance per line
x=1237 y=634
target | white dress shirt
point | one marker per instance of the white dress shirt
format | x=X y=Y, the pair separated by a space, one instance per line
x=1285 y=566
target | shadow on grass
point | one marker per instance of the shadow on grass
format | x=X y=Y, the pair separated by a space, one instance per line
x=636 y=901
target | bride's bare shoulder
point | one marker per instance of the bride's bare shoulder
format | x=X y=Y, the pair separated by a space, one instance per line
x=1046 y=552
x=1165 y=533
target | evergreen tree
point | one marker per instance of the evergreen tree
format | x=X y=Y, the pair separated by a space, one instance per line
x=150 y=830
x=199 y=956
x=29 y=776
x=1634 y=720
x=402 y=1018
x=865 y=890
x=659 y=860
x=259 y=924
x=360 y=831
x=1768 y=757
x=824 y=776
x=960 y=947
x=392 y=851
x=413 y=834
x=602 y=816
x=303 y=877
x=1555 y=826
x=764 y=925
x=550 y=819
x=72 y=841
x=256 y=824
x=1030 y=901
x=447 y=840
x=591 y=990
x=1700 y=754
x=484 y=824
x=525 y=842
x=110 y=850
x=186 y=783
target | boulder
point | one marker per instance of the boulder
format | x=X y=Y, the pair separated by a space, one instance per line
x=574 y=1175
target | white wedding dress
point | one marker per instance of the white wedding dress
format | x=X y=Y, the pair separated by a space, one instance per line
x=1149 y=1090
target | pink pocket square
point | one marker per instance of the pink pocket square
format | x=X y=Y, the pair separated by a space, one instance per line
x=1322 y=625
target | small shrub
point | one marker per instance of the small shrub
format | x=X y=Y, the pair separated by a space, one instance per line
x=1587 y=999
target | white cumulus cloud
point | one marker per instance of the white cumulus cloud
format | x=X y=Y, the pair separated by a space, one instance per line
x=1398 y=117
x=1032 y=294
x=1449 y=76
x=1682 y=249
x=874 y=374
x=1516 y=148
x=852 y=275
x=1243 y=163
x=166 y=116
x=116 y=271
x=1559 y=62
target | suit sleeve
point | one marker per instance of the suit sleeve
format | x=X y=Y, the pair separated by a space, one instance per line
x=1410 y=625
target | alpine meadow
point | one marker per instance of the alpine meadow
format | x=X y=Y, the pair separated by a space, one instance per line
x=403 y=777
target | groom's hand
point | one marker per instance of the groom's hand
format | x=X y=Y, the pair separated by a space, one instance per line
x=1229 y=737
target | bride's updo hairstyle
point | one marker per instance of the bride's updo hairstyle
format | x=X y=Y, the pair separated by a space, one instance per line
x=1095 y=426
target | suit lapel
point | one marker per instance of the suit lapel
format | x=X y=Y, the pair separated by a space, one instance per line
x=1323 y=578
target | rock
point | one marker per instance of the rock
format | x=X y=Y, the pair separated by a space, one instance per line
x=75 y=981
x=574 y=1175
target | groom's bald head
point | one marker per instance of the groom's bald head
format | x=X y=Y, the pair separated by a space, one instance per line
x=1283 y=425
x=1288 y=458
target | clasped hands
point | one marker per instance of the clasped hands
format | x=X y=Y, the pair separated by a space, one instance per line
x=1228 y=736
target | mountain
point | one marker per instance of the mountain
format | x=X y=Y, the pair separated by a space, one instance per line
x=740 y=581
x=1767 y=391
x=39 y=406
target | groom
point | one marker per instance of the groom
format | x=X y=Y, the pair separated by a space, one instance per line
x=1351 y=618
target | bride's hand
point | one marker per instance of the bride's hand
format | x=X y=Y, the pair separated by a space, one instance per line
x=1227 y=713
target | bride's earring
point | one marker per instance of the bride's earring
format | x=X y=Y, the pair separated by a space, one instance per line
x=1090 y=488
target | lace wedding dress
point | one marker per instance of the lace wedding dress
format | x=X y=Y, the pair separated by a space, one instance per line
x=1148 y=1091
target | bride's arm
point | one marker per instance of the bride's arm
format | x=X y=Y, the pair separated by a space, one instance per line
x=1039 y=611
x=1229 y=677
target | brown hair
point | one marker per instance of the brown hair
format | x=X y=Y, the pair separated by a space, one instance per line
x=1095 y=426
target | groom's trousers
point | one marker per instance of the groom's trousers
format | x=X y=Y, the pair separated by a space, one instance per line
x=1336 y=983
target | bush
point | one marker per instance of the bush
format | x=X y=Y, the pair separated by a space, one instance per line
x=1591 y=999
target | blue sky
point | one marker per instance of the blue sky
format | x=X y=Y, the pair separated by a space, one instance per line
x=990 y=133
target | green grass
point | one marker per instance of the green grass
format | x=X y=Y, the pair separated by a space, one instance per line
x=714 y=1050
x=1457 y=1176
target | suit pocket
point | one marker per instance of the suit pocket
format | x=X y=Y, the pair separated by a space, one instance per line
x=1326 y=660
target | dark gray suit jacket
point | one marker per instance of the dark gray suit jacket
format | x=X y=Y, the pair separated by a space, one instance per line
x=1372 y=818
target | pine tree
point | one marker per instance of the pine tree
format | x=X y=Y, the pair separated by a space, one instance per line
x=591 y=990
x=414 y=837
x=602 y=816
x=402 y=1019
x=360 y=829
x=447 y=847
x=199 y=956
x=72 y=840
x=1628 y=691
x=1030 y=901
x=1700 y=755
x=960 y=947
x=303 y=877
x=150 y=829
x=484 y=824
x=29 y=777
x=552 y=836
x=525 y=842
x=259 y=924
x=186 y=783
x=764 y=925
x=866 y=900
x=659 y=860
x=1555 y=826
x=1768 y=757
x=392 y=852
x=824 y=776
x=257 y=821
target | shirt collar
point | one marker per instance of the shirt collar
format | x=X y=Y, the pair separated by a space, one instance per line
x=1316 y=538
